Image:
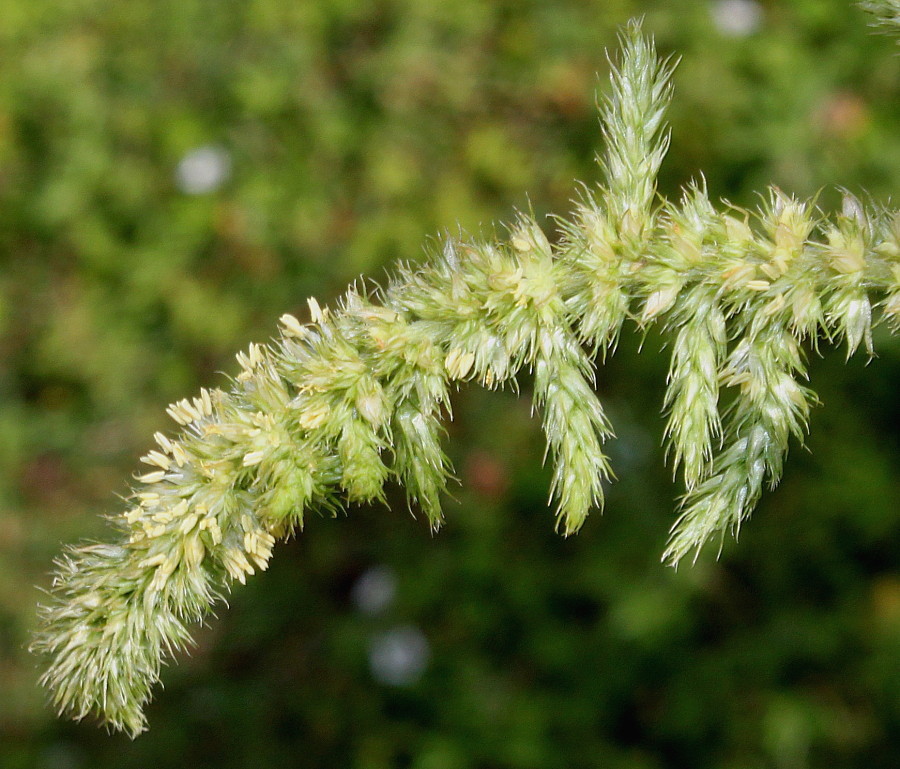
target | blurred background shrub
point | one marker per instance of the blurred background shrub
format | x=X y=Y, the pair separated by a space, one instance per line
x=175 y=175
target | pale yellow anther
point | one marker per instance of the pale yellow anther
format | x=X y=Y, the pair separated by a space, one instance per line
x=164 y=443
x=258 y=545
x=179 y=454
x=207 y=402
x=236 y=564
x=316 y=312
x=781 y=260
x=155 y=477
x=177 y=413
x=154 y=531
x=188 y=523
x=459 y=363
x=211 y=525
x=191 y=408
x=292 y=326
x=157 y=459
x=183 y=412
x=771 y=270
x=153 y=560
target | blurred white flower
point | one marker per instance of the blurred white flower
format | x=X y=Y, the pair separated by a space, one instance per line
x=737 y=18
x=399 y=656
x=203 y=170
x=374 y=591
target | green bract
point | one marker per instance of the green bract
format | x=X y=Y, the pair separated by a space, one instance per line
x=334 y=408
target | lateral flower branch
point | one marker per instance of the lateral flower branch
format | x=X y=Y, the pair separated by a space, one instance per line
x=332 y=409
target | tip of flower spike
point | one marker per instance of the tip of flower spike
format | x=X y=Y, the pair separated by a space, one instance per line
x=566 y=526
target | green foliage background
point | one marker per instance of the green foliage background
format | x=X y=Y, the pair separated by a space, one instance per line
x=355 y=130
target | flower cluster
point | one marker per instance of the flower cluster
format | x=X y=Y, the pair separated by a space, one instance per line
x=336 y=407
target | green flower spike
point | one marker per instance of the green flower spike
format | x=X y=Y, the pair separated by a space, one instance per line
x=334 y=408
